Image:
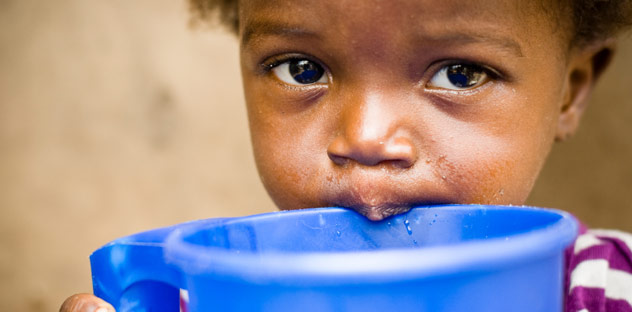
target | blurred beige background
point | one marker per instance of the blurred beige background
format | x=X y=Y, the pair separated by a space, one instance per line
x=115 y=117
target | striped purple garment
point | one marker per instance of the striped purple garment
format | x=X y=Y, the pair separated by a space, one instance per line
x=599 y=272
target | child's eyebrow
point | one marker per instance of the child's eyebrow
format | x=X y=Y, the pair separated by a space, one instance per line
x=503 y=42
x=260 y=28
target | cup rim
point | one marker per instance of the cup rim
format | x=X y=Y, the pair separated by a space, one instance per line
x=368 y=267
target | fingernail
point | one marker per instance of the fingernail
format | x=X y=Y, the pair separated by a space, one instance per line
x=101 y=309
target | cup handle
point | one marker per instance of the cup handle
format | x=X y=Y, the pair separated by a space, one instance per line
x=131 y=273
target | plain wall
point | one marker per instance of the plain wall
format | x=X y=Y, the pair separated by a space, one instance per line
x=116 y=117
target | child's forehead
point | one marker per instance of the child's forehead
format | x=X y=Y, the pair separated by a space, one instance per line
x=388 y=10
x=502 y=22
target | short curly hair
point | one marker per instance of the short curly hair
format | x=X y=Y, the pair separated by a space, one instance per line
x=223 y=10
x=599 y=19
x=591 y=19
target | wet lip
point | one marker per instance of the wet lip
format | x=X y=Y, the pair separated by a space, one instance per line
x=377 y=195
x=377 y=208
x=378 y=213
x=383 y=211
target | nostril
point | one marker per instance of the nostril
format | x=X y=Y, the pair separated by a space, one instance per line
x=397 y=152
x=396 y=163
x=338 y=151
x=401 y=152
x=338 y=160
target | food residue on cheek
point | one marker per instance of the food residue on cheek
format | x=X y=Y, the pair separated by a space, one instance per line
x=472 y=180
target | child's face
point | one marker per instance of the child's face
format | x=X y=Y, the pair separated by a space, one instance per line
x=382 y=105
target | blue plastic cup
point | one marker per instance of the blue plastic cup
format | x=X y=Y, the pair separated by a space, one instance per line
x=439 y=258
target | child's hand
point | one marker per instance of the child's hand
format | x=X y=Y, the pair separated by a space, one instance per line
x=85 y=303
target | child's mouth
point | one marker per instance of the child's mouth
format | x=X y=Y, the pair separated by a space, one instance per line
x=378 y=213
x=378 y=203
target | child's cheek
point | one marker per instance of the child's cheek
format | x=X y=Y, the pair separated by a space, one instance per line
x=289 y=163
x=468 y=165
x=489 y=170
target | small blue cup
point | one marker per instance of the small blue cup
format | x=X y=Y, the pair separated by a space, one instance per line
x=438 y=258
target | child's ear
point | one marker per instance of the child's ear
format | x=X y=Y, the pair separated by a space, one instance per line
x=585 y=67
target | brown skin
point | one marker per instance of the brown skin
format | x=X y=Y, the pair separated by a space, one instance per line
x=377 y=133
x=85 y=303
x=377 y=136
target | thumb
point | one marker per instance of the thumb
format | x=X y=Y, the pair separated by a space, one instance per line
x=85 y=303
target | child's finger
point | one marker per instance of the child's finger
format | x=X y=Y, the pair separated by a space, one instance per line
x=85 y=303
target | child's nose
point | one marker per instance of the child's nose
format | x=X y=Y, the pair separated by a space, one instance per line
x=372 y=133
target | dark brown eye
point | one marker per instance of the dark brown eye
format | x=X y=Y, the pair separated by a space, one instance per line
x=305 y=71
x=300 y=72
x=459 y=77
